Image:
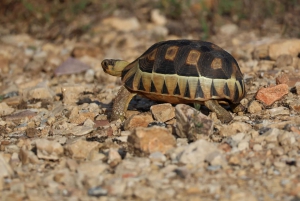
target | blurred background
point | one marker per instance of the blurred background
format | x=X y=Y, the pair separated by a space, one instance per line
x=61 y=19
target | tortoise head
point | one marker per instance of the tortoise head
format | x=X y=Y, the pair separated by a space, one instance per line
x=114 y=66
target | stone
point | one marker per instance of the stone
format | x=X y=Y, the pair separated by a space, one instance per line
x=234 y=128
x=163 y=112
x=5 y=109
x=82 y=149
x=157 y=18
x=286 y=138
x=97 y=191
x=279 y=111
x=284 y=47
x=297 y=87
x=89 y=75
x=5 y=169
x=229 y=29
x=71 y=93
x=139 y=120
x=114 y=157
x=243 y=145
x=284 y=60
x=40 y=92
x=71 y=66
x=271 y=135
x=254 y=107
x=49 y=150
x=144 y=141
x=27 y=157
x=191 y=123
x=196 y=152
x=157 y=157
x=242 y=195
x=122 y=24
x=84 y=50
x=271 y=94
x=295 y=105
x=283 y=78
x=144 y=192
x=91 y=169
x=216 y=158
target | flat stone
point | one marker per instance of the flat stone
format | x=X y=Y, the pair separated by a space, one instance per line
x=49 y=150
x=5 y=109
x=254 y=107
x=271 y=94
x=139 y=120
x=283 y=78
x=295 y=105
x=191 y=123
x=144 y=141
x=163 y=112
x=196 y=152
x=279 y=111
x=91 y=169
x=28 y=157
x=81 y=149
x=71 y=66
x=271 y=135
x=71 y=93
x=284 y=47
x=284 y=60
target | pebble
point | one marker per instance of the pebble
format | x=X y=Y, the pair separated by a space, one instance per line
x=157 y=18
x=271 y=135
x=114 y=157
x=82 y=150
x=139 y=120
x=49 y=150
x=196 y=152
x=40 y=92
x=163 y=112
x=235 y=127
x=254 y=107
x=5 y=109
x=191 y=123
x=157 y=157
x=97 y=191
x=279 y=111
x=229 y=29
x=122 y=24
x=271 y=94
x=71 y=66
x=71 y=93
x=284 y=47
x=144 y=141
x=5 y=169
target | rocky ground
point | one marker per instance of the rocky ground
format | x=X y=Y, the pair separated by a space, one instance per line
x=56 y=142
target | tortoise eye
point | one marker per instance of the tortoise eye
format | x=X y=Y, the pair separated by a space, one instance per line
x=105 y=63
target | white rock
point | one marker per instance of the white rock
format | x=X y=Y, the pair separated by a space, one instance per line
x=196 y=152
x=243 y=145
x=279 y=111
x=229 y=29
x=126 y=25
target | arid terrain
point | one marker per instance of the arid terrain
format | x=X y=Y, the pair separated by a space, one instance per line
x=56 y=140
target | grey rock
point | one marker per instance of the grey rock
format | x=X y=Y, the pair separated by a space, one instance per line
x=191 y=123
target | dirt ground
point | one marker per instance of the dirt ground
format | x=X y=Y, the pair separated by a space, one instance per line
x=56 y=140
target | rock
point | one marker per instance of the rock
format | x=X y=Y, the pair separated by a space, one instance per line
x=40 y=92
x=229 y=29
x=49 y=150
x=84 y=50
x=5 y=109
x=243 y=145
x=5 y=169
x=163 y=112
x=97 y=191
x=21 y=115
x=286 y=138
x=125 y=24
x=20 y=40
x=279 y=111
x=295 y=105
x=157 y=18
x=254 y=107
x=71 y=66
x=284 y=47
x=271 y=94
x=242 y=195
x=234 y=128
x=71 y=93
x=143 y=192
x=139 y=120
x=27 y=157
x=89 y=75
x=284 y=60
x=82 y=150
x=157 y=157
x=216 y=158
x=144 y=141
x=271 y=135
x=91 y=169
x=283 y=78
x=191 y=123
x=196 y=152
x=114 y=157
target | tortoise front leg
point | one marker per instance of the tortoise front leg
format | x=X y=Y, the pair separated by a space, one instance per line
x=222 y=114
x=121 y=103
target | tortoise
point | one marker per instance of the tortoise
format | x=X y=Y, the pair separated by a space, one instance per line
x=180 y=71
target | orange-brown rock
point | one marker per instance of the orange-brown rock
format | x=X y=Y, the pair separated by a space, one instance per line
x=271 y=94
x=144 y=141
x=140 y=120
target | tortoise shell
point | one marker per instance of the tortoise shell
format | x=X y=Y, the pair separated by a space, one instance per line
x=185 y=71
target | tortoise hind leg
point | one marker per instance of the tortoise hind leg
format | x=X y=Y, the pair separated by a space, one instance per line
x=121 y=103
x=237 y=107
x=222 y=114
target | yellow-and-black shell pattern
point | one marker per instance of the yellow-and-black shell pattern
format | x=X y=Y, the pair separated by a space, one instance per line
x=179 y=71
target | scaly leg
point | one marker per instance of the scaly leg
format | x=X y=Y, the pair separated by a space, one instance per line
x=237 y=108
x=222 y=114
x=121 y=104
